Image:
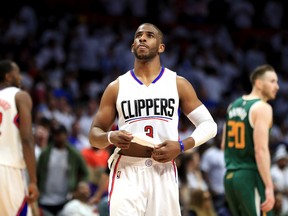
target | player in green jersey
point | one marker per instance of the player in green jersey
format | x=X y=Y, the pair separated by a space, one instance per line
x=248 y=183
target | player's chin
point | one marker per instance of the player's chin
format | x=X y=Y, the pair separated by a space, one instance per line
x=272 y=97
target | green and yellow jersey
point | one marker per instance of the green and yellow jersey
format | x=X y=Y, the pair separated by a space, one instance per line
x=239 y=145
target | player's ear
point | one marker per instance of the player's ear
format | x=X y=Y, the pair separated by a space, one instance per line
x=258 y=83
x=161 y=48
x=8 y=77
x=132 y=46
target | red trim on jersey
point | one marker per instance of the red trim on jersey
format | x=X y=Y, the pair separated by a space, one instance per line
x=163 y=118
x=23 y=208
x=175 y=169
x=148 y=119
x=113 y=178
x=16 y=120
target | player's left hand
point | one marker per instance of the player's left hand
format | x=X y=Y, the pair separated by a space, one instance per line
x=269 y=202
x=166 y=151
x=33 y=193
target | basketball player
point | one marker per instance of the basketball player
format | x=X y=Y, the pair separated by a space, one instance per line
x=248 y=183
x=146 y=100
x=16 y=144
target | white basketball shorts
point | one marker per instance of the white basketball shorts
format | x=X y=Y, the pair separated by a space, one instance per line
x=143 y=186
x=13 y=192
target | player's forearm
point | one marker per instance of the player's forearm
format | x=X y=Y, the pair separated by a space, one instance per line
x=98 y=138
x=29 y=157
x=263 y=163
x=206 y=128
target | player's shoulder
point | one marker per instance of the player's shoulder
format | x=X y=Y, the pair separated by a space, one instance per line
x=169 y=73
x=261 y=104
x=11 y=89
x=182 y=81
x=112 y=87
x=19 y=93
x=22 y=93
x=127 y=74
x=167 y=70
x=261 y=107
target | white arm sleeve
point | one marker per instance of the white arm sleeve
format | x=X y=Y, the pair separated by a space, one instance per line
x=206 y=128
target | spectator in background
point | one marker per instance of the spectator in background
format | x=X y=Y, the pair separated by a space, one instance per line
x=64 y=113
x=190 y=178
x=96 y=160
x=201 y=204
x=76 y=138
x=41 y=138
x=101 y=195
x=279 y=174
x=86 y=119
x=79 y=206
x=60 y=168
x=213 y=169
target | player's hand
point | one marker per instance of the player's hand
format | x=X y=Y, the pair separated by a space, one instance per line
x=166 y=151
x=268 y=204
x=33 y=193
x=121 y=139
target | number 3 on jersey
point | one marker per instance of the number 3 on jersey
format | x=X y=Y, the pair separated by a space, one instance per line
x=149 y=130
x=236 y=134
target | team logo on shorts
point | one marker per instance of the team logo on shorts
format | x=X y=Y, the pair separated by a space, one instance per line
x=148 y=162
x=118 y=174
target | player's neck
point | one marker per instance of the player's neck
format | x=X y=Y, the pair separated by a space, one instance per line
x=4 y=85
x=147 y=74
x=256 y=94
x=147 y=68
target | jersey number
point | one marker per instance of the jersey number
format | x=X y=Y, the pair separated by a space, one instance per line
x=236 y=132
x=149 y=130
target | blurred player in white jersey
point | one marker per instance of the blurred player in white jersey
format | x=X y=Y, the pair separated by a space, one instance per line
x=16 y=144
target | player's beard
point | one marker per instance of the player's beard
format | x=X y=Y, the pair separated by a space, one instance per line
x=146 y=56
x=269 y=94
x=16 y=82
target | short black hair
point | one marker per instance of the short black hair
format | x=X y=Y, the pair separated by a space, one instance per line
x=160 y=33
x=259 y=72
x=5 y=67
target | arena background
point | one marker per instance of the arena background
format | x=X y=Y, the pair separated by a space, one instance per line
x=70 y=50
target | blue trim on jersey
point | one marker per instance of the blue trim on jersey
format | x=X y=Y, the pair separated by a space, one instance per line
x=148 y=117
x=159 y=76
x=23 y=209
x=134 y=76
x=154 y=81
x=16 y=120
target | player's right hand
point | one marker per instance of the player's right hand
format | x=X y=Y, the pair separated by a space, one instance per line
x=121 y=139
x=33 y=193
x=268 y=204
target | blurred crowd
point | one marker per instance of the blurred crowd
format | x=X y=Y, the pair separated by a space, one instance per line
x=69 y=51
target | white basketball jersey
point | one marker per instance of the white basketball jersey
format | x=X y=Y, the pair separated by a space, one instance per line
x=10 y=141
x=152 y=110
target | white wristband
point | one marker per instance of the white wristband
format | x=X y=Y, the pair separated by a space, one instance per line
x=108 y=137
